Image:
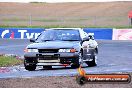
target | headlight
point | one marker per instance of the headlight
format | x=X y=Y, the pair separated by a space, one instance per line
x=67 y=50
x=31 y=50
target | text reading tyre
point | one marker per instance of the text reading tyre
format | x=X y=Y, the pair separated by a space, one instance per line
x=61 y=47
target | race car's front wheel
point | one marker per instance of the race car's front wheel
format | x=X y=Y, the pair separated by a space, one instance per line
x=29 y=67
x=75 y=65
x=78 y=62
x=93 y=62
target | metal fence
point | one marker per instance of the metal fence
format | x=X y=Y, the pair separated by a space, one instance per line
x=76 y=21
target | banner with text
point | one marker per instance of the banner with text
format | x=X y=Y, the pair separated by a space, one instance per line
x=122 y=34
x=23 y=33
x=27 y=33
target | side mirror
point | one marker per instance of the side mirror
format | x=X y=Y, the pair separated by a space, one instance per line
x=32 y=40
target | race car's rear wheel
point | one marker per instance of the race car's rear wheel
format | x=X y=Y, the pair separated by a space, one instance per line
x=96 y=50
x=93 y=62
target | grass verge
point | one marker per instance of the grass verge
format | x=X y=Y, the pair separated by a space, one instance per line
x=9 y=61
x=62 y=26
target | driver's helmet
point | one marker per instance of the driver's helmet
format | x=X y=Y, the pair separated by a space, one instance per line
x=91 y=37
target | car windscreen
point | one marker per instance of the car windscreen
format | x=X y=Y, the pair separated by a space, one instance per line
x=61 y=35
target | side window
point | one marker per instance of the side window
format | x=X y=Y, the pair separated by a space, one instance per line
x=86 y=35
x=83 y=34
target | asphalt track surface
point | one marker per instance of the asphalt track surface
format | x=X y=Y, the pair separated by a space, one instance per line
x=113 y=57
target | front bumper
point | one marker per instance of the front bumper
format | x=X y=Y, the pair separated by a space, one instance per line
x=33 y=54
x=51 y=58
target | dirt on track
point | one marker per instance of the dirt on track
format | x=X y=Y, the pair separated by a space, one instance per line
x=54 y=82
x=65 y=14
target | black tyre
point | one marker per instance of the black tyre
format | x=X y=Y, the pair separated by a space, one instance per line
x=78 y=61
x=96 y=50
x=93 y=62
x=29 y=67
x=75 y=65
x=47 y=67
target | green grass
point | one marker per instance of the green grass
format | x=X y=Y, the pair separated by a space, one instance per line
x=14 y=19
x=46 y=20
x=37 y=2
x=27 y=20
x=9 y=61
x=62 y=26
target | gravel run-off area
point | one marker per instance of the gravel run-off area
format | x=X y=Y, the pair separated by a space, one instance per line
x=55 y=82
